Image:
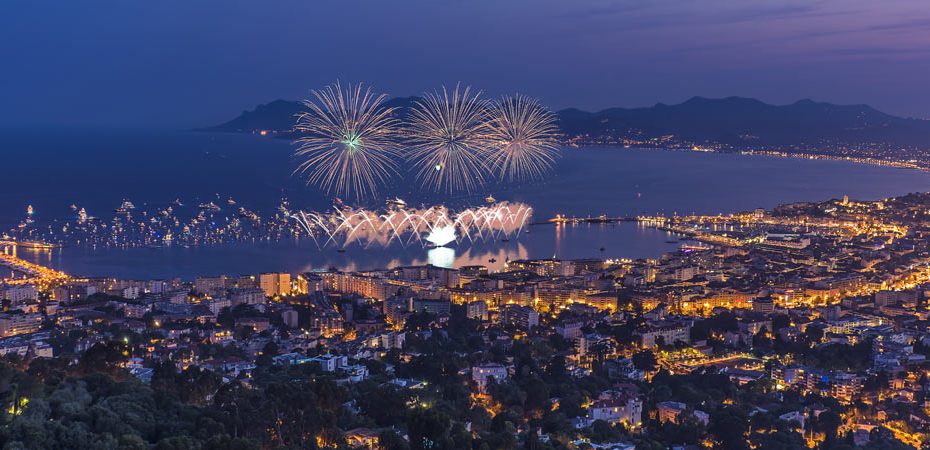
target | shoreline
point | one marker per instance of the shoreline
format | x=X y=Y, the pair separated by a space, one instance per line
x=877 y=162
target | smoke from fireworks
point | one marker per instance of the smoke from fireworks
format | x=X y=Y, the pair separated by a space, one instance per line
x=524 y=135
x=450 y=144
x=348 y=141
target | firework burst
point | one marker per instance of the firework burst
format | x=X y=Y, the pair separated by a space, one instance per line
x=524 y=134
x=348 y=141
x=427 y=226
x=450 y=144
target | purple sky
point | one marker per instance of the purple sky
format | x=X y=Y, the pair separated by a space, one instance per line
x=184 y=63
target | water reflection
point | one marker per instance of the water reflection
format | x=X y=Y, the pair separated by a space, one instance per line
x=441 y=257
x=625 y=240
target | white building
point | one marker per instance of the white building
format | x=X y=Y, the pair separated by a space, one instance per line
x=19 y=294
x=484 y=373
x=625 y=409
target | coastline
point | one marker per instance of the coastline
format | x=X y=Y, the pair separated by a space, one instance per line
x=878 y=162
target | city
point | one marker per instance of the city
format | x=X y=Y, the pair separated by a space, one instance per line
x=801 y=325
x=481 y=225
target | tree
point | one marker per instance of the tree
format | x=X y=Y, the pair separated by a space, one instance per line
x=390 y=440
x=644 y=360
x=729 y=426
x=428 y=429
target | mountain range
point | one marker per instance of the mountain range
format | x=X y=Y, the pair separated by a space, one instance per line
x=734 y=122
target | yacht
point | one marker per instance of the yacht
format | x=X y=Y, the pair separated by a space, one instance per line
x=126 y=207
x=397 y=201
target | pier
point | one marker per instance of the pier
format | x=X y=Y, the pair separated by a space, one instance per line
x=34 y=273
x=560 y=219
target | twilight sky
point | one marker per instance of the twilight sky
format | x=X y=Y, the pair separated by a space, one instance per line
x=185 y=63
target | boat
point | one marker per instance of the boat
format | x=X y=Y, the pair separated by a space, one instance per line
x=230 y=201
x=39 y=245
x=208 y=206
x=397 y=201
x=340 y=250
x=177 y=202
x=125 y=208
x=490 y=199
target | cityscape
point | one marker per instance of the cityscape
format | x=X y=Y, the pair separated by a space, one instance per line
x=458 y=227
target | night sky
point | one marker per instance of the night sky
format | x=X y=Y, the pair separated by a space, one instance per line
x=185 y=63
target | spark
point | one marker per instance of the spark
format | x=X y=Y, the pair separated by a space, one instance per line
x=427 y=226
x=348 y=141
x=525 y=136
x=450 y=145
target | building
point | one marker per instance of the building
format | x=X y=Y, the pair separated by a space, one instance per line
x=763 y=305
x=362 y=438
x=131 y=292
x=445 y=277
x=666 y=332
x=20 y=294
x=247 y=296
x=210 y=285
x=275 y=284
x=434 y=307
x=12 y=324
x=289 y=317
x=387 y=341
x=74 y=292
x=363 y=285
x=522 y=317
x=477 y=310
x=328 y=321
x=485 y=373
x=601 y=300
x=625 y=409
x=885 y=298
x=308 y=283
x=670 y=411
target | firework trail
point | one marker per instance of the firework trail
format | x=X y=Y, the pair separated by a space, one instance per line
x=450 y=143
x=348 y=145
x=524 y=135
x=346 y=225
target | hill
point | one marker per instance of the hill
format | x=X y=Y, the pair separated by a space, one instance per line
x=732 y=122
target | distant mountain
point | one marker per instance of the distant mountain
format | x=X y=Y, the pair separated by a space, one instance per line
x=738 y=121
x=280 y=115
x=731 y=122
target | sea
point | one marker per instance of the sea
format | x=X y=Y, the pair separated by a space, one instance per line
x=99 y=169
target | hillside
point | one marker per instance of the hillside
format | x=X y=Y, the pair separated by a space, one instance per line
x=731 y=122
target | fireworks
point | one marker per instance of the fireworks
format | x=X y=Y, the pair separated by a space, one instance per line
x=435 y=226
x=450 y=142
x=348 y=143
x=455 y=140
x=524 y=135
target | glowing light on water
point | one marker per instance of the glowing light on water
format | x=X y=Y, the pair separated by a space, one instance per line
x=441 y=257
